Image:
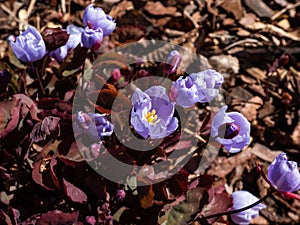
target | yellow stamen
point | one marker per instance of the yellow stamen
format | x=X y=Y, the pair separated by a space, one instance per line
x=151 y=117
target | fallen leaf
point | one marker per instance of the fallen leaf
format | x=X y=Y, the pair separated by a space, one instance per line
x=74 y=193
x=49 y=126
x=58 y=217
x=158 y=9
x=263 y=152
x=233 y=6
x=260 y=8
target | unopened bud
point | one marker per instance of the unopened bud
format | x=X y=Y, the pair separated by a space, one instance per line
x=173 y=62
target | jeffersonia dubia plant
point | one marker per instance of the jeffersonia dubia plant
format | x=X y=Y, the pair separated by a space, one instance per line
x=29 y=46
x=95 y=18
x=197 y=87
x=284 y=175
x=94 y=125
x=92 y=38
x=73 y=41
x=231 y=129
x=153 y=113
x=240 y=200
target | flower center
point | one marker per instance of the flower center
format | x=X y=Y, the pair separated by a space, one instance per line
x=231 y=130
x=151 y=117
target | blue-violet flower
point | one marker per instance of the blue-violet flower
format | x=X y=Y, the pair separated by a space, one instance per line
x=29 y=46
x=284 y=175
x=242 y=199
x=197 y=87
x=152 y=113
x=231 y=129
x=92 y=38
x=95 y=18
x=94 y=125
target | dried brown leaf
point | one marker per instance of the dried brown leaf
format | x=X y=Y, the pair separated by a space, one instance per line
x=158 y=9
x=260 y=8
x=235 y=7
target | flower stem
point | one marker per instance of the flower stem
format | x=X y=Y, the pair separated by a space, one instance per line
x=241 y=209
x=39 y=79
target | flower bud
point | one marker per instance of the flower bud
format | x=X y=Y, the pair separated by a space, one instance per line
x=242 y=199
x=92 y=38
x=120 y=195
x=284 y=175
x=173 y=62
x=95 y=18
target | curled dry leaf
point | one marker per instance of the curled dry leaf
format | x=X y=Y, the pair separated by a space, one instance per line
x=14 y=111
x=49 y=126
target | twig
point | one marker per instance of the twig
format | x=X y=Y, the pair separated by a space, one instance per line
x=39 y=80
x=288 y=7
x=195 y=135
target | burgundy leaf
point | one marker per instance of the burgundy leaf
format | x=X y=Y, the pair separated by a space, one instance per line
x=54 y=38
x=178 y=184
x=57 y=217
x=74 y=193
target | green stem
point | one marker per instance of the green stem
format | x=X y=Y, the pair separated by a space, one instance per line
x=241 y=209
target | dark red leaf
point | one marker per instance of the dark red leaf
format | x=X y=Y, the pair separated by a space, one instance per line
x=74 y=193
x=178 y=184
x=57 y=217
x=54 y=38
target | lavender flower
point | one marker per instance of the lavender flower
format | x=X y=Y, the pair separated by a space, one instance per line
x=74 y=40
x=152 y=113
x=232 y=130
x=92 y=38
x=198 y=87
x=284 y=175
x=93 y=125
x=96 y=18
x=242 y=199
x=184 y=92
x=29 y=46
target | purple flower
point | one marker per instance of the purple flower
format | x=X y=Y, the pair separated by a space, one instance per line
x=74 y=40
x=92 y=38
x=284 y=175
x=208 y=83
x=93 y=125
x=152 y=113
x=198 y=87
x=29 y=46
x=96 y=18
x=184 y=92
x=173 y=62
x=232 y=130
x=242 y=199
